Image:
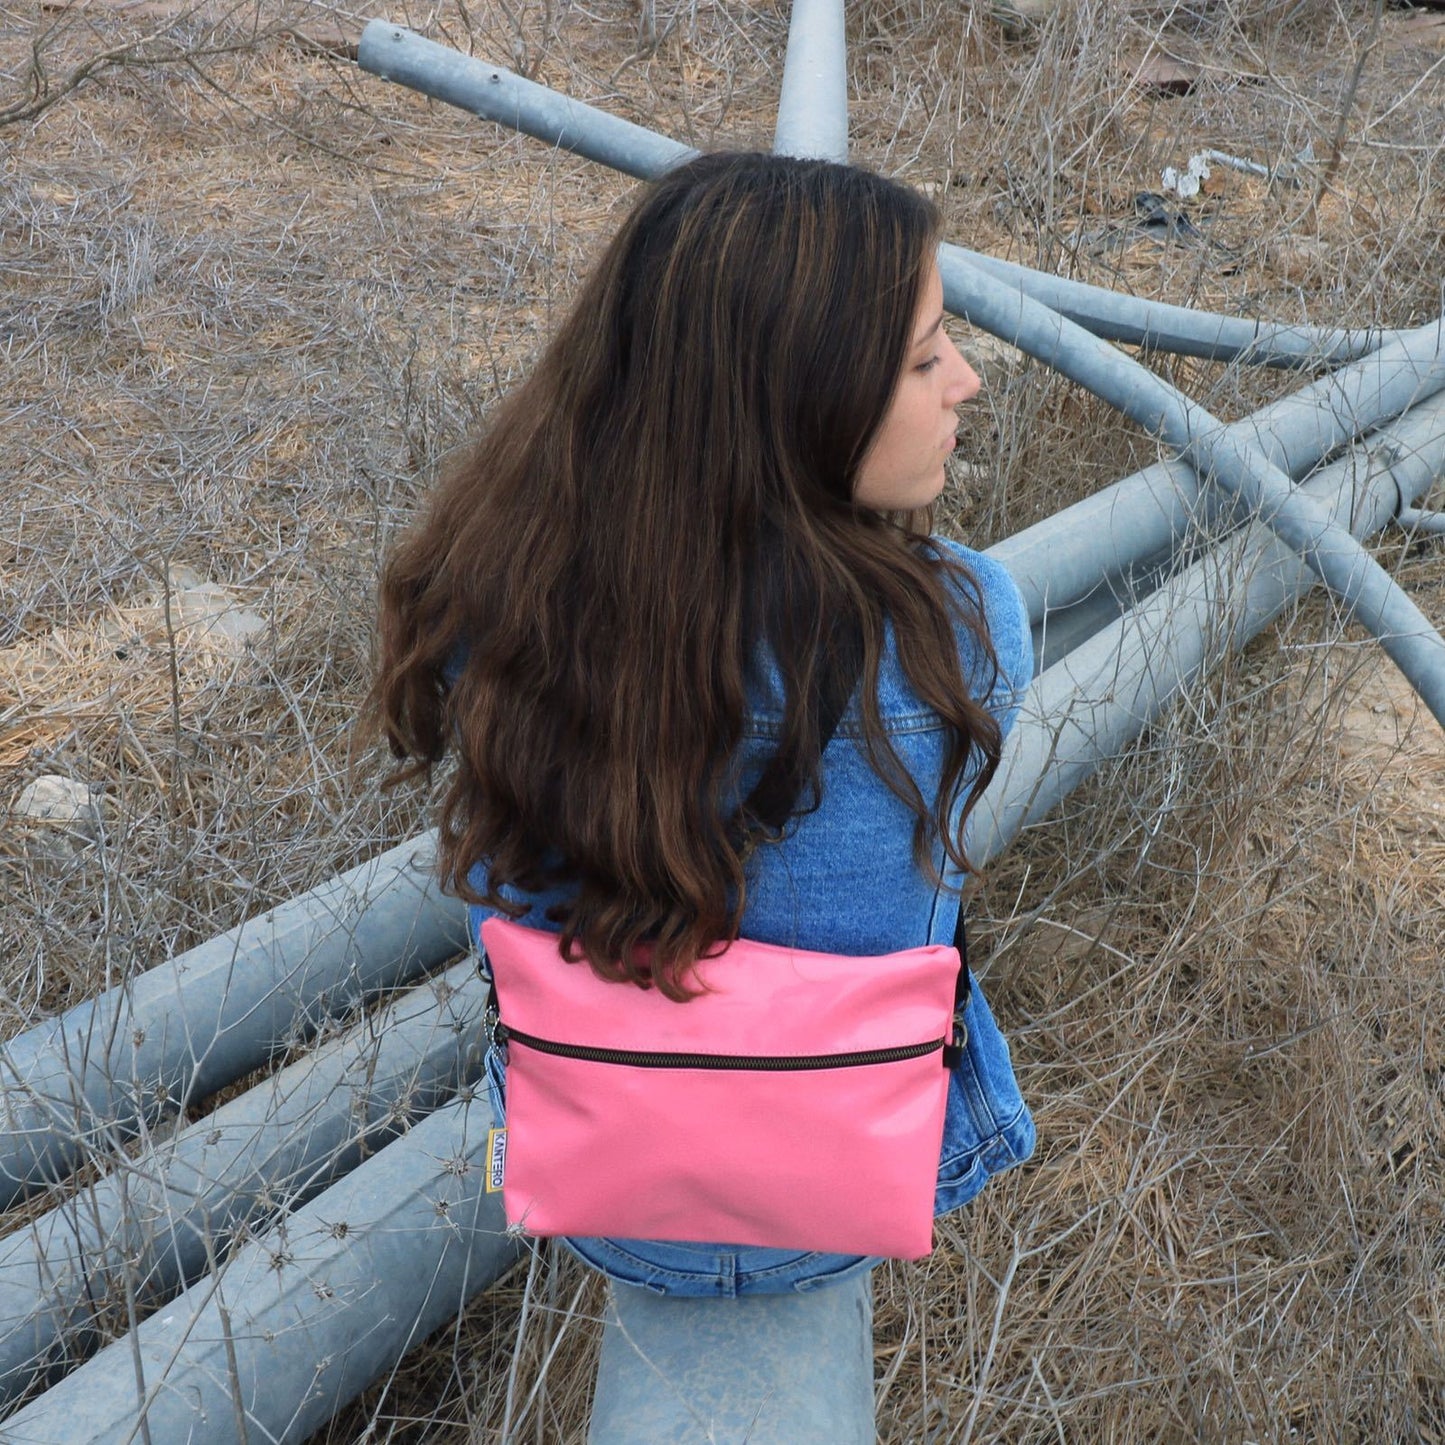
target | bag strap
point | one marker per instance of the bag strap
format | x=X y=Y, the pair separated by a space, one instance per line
x=962 y=990
x=775 y=793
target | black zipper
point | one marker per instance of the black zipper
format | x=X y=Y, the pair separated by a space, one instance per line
x=746 y=1063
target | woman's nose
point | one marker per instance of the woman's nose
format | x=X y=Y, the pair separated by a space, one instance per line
x=966 y=384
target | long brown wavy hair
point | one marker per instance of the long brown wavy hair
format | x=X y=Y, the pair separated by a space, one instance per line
x=668 y=495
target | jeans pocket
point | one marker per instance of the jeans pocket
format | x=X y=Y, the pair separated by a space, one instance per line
x=834 y=1269
x=673 y=1272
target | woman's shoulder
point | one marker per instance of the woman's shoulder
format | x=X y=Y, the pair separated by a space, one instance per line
x=988 y=585
x=1004 y=611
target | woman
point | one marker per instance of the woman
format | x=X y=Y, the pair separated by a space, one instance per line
x=620 y=608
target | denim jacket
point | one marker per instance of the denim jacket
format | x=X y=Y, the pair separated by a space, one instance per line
x=843 y=880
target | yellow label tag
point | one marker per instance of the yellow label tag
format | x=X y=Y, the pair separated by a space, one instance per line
x=496 y=1159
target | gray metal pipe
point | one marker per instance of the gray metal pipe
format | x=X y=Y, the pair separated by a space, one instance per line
x=74 y=1087
x=494 y=93
x=152 y=1225
x=1061 y=629
x=1135 y=520
x=1180 y=330
x=1427 y=523
x=1066 y=628
x=793 y=1369
x=813 y=103
x=301 y=1320
x=1231 y=460
x=1090 y=705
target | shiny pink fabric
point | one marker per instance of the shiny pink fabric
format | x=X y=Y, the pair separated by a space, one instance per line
x=841 y=1160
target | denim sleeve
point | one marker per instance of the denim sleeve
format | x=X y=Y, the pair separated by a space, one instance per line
x=1007 y=619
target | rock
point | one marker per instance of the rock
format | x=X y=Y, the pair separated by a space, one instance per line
x=1019 y=18
x=1165 y=76
x=201 y=613
x=183 y=577
x=215 y=614
x=56 y=802
x=991 y=357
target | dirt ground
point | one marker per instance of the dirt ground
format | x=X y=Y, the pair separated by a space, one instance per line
x=249 y=298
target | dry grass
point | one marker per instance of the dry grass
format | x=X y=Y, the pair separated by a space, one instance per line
x=250 y=297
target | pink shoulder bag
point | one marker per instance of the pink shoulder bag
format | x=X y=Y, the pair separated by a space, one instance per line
x=798 y=1103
